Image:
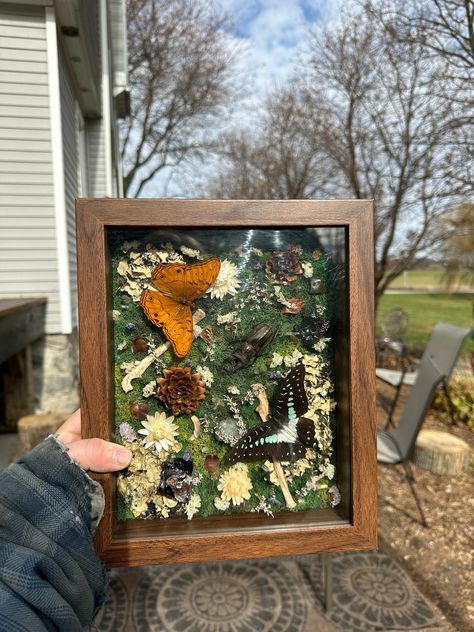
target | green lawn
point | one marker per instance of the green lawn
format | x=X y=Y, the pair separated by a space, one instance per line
x=428 y=279
x=425 y=310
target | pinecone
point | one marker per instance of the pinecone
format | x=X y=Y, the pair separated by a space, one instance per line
x=180 y=390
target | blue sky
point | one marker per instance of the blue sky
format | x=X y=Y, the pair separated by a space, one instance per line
x=272 y=34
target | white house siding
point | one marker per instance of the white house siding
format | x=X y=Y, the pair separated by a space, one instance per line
x=71 y=173
x=28 y=259
x=95 y=143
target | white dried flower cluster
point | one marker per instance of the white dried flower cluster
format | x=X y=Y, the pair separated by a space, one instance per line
x=231 y=318
x=233 y=390
x=321 y=344
x=149 y=389
x=276 y=361
x=290 y=470
x=249 y=397
x=129 y=366
x=192 y=506
x=115 y=314
x=206 y=375
x=122 y=345
x=210 y=350
x=293 y=358
x=221 y=504
x=227 y=281
x=264 y=506
x=280 y=296
x=327 y=469
x=136 y=274
x=189 y=252
x=233 y=407
x=164 y=254
x=137 y=268
x=307 y=270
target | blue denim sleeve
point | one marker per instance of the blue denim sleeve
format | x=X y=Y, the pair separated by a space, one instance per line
x=50 y=576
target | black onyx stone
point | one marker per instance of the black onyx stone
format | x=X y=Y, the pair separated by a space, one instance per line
x=175 y=479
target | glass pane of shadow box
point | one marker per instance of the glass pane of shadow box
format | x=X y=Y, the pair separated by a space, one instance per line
x=215 y=422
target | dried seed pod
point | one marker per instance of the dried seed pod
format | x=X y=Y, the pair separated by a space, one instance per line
x=139 y=410
x=139 y=345
x=212 y=463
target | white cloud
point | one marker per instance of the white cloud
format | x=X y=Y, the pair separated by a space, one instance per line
x=271 y=36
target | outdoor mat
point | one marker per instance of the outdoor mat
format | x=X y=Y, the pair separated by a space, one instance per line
x=370 y=592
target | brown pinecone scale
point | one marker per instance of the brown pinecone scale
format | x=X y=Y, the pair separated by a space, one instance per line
x=180 y=390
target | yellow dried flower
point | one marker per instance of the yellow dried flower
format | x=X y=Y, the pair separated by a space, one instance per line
x=235 y=484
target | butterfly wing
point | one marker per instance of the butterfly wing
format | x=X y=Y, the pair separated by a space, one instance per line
x=264 y=442
x=306 y=432
x=290 y=400
x=286 y=435
x=186 y=282
x=200 y=276
x=174 y=318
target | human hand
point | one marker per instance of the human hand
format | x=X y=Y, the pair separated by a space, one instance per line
x=92 y=454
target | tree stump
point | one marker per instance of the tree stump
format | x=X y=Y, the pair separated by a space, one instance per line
x=441 y=452
x=34 y=428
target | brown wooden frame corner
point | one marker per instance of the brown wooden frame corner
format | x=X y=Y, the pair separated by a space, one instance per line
x=350 y=527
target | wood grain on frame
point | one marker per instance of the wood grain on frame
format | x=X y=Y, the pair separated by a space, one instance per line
x=240 y=535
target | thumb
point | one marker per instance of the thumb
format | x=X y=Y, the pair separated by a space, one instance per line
x=99 y=455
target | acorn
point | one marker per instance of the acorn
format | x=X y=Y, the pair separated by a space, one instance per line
x=139 y=410
x=212 y=463
x=139 y=345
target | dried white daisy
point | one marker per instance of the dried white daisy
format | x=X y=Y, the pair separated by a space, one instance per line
x=160 y=431
x=226 y=282
x=308 y=270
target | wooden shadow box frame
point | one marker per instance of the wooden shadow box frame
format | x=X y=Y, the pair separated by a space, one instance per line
x=349 y=526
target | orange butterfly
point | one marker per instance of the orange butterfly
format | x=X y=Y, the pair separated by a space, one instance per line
x=178 y=285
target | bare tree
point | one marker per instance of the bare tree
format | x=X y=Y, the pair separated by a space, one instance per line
x=387 y=135
x=277 y=160
x=180 y=70
x=444 y=30
x=371 y=123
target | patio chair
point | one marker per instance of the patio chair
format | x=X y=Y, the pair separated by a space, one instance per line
x=396 y=445
x=443 y=347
